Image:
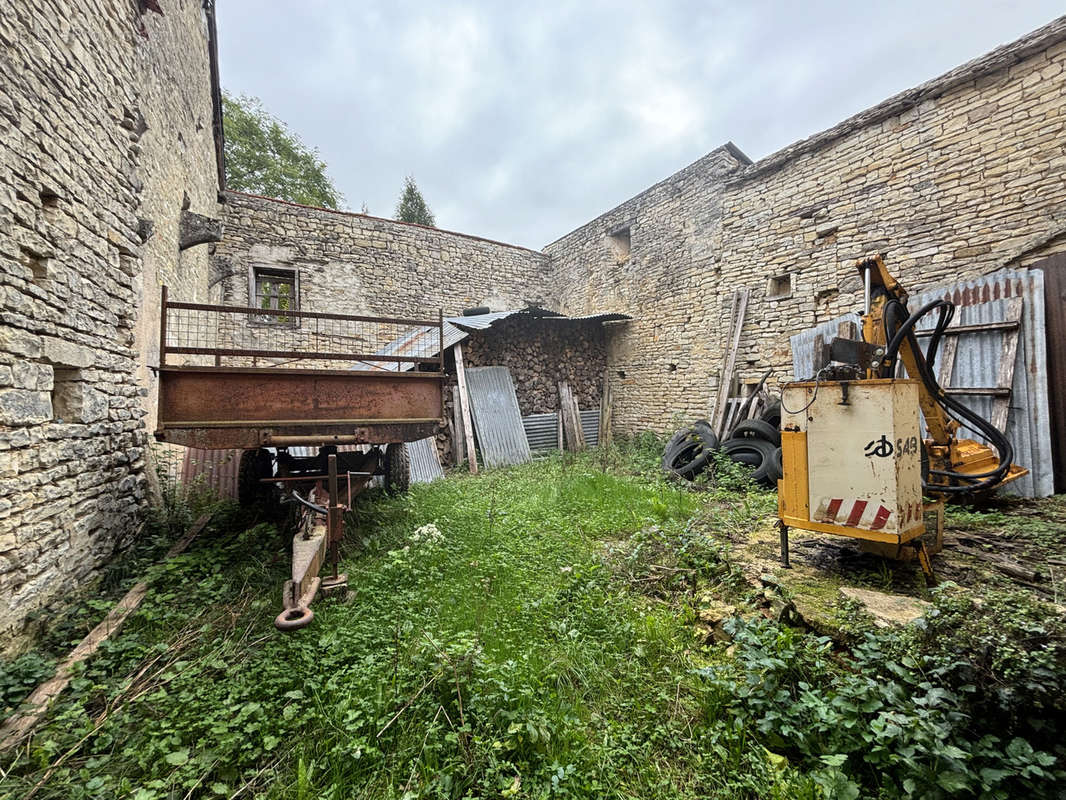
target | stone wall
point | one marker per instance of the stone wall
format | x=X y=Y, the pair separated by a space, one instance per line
x=79 y=175
x=958 y=177
x=357 y=264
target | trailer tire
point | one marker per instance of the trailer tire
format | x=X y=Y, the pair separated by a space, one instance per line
x=756 y=429
x=254 y=466
x=397 y=468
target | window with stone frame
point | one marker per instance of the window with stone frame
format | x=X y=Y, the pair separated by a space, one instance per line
x=275 y=288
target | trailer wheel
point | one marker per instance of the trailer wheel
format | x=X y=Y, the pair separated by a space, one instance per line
x=397 y=468
x=254 y=465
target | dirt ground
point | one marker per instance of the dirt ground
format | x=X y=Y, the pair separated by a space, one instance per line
x=1010 y=543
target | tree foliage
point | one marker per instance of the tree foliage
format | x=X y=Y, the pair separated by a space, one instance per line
x=412 y=206
x=264 y=157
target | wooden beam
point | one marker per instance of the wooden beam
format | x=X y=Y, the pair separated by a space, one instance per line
x=739 y=308
x=571 y=416
x=458 y=431
x=464 y=408
x=19 y=725
x=604 y=436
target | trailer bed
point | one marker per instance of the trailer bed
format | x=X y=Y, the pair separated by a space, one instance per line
x=259 y=377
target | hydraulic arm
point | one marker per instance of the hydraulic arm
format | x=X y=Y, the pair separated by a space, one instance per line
x=950 y=466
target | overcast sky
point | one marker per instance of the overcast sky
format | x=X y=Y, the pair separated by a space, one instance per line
x=522 y=121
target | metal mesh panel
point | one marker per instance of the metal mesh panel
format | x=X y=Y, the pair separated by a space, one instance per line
x=205 y=335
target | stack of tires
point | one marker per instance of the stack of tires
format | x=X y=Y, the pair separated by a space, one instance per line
x=754 y=442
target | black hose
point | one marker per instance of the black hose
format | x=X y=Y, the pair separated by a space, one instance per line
x=896 y=333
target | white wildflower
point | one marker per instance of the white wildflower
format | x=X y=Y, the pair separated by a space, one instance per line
x=429 y=534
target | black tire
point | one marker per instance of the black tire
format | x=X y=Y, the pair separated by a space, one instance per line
x=397 y=468
x=757 y=429
x=676 y=441
x=772 y=414
x=777 y=468
x=704 y=430
x=686 y=454
x=254 y=465
x=757 y=453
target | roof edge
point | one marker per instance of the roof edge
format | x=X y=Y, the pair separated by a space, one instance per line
x=729 y=148
x=233 y=192
x=1002 y=57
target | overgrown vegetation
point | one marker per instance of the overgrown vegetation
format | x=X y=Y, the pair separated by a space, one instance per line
x=529 y=633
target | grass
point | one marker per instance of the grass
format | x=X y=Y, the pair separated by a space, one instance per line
x=525 y=633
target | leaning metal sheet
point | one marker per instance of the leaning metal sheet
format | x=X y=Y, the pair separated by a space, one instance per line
x=497 y=420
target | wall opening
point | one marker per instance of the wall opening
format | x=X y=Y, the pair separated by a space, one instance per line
x=67 y=395
x=37 y=263
x=277 y=289
x=619 y=243
x=780 y=287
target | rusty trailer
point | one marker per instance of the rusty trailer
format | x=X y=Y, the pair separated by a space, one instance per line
x=275 y=382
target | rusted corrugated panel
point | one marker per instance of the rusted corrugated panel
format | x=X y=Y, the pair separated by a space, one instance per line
x=425 y=461
x=497 y=420
x=214 y=469
x=984 y=300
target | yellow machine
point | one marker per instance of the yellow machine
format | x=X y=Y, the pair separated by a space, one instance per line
x=854 y=461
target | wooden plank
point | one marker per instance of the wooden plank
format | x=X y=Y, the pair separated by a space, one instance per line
x=19 y=725
x=604 y=437
x=739 y=308
x=464 y=408
x=458 y=431
x=1005 y=373
x=568 y=410
x=949 y=348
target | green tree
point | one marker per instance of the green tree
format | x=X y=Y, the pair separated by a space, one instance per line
x=264 y=157
x=412 y=206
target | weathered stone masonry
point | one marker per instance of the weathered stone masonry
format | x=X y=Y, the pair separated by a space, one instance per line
x=357 y=264
x=955 y=178
x=106 y=137
x=93 y=96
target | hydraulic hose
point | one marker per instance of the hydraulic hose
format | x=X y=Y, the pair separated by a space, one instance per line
x=896 y=332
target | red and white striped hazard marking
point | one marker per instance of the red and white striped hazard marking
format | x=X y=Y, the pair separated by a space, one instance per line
x=852 y=513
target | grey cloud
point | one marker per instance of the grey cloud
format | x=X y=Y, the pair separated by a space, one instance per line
x=522 y=121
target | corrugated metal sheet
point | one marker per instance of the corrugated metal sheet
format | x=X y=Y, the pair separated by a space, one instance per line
x=984 y=300
x=803 y=344
x=497 y=420
x=977 y=360
x=590 y=426
x=425 y=461
x=480 y=322
x=214 y=469
x=542 y=431
x=415 y=342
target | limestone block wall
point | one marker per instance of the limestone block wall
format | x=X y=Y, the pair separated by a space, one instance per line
x=78 y=176
x=661 y=361
x=357 y=264
x=958 y=177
